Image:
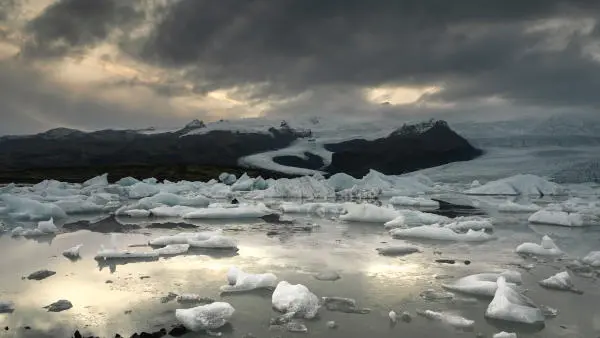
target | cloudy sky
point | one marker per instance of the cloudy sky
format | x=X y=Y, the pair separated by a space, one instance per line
x=94 y=64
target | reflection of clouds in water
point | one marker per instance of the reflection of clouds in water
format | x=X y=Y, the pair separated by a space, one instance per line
x=404 y=271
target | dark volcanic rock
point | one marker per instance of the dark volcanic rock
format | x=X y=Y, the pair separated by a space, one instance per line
x=41 y=274
x=410 y=148
x=59 y=306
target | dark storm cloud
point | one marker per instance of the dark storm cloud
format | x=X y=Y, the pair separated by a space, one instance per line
x=73 y=25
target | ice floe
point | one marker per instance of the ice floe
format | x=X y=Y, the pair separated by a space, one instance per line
x=243 y=211
x=44 y=228
x=369 y=213
x=243 y=281
x=470 y=223
x=22 y=208
x=324 y=208
x=295 y=300
x=414 y=202
x=510 y=305
x=397 y=250
x=560 y=281
x=205 y=317
x=518 y=185
x=546 y=248
x=505 y=335
x=409 y=218
x=512 y=207
x=484 y=284
x=441 y=233
x=592 y=259
x=172 y=249
x=453 y=320
x=561 y=218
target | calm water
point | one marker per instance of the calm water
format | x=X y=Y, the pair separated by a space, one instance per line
x=376 y=282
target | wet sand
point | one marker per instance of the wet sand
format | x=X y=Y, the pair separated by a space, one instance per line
x=130 y=303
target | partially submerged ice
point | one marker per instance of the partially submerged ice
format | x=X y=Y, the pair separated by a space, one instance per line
x=295 y=300
x=531 y=185
x=505 y=335
x=368 y=213
x=397 y=250
x=441 y=233
x=419 y=202
x=512 y=207
x=408 y=218
x=73 y=253
x=560 y=281
x=484 y=284
x=205 y=317
x=453 y=320
x=247 y=211
x=172 y=249
x=592 y=259
x=510 y=305
x=243 y=281
x=562 y=218
x=202 y=240
x=546 y=248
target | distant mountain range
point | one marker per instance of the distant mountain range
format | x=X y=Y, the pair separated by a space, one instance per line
x=200 y=151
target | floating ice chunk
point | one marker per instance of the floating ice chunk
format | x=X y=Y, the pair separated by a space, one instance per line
x=397 y=250
x=470 y=224
x=518 y=185
x=183 y=237
x=73 y=253
x=547 y=248
x=593 y=259
x=246 y=282
x=393 y=316
x=44 y=228
x=6 y=307
x=456 y=321
x=483 y=284
x=561 y=218
x=173 y=249
x=475 y=184
x=18 y=231
x=48 y=226
x=431 y=294
x=28 y=209
x=169 y=199
x=440 y=233
x=313 y=208
x=105 y=254
x=409 y=218
x=214 y=242
x=136 y=213
x=505 y=335
x=175 y=211
x=341 y=181
x=205 y=317
x=227 y=178
x=244 y=183
x=101 y=180
x=306 y=187
x=295 y=300
x=248 y=211
x=368 y=213
x=414 y=202
x=510 y=305
x=560 y=281
x=510 y=206
x=141 y=190
x=78 y=206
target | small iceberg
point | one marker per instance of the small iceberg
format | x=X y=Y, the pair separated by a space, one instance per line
x=248 y=211
x=397 y=250
x=73 y=253
x=193 y=298
x=554 y=217
x=214 y=242
x=592 y=259
x=505 y=335
x=510 y=305
x=484 y=284
x=512 y=207
x=465 y=224
x=455 y=321
x=368 y=213
x=44 y=228
x=441 y=233
x=345 y=305
x=546 y=248
x=408 y=218
x=560 y=281
x=295 y=300
x=205 y=317
x=243 y=281
x=518 y=185
x=173 y=250
x=417 y=202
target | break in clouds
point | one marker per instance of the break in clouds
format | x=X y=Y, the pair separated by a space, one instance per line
x=134 y=63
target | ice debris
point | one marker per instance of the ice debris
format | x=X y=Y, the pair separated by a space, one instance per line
x=441 y=233
x=592 y=259
x=512 y=207
x=414 y=202
x=409 y=218
x=560 y=281
x=484 y=284
x=369 y=213
x=505 y=335
x=295 y=300
x=73 y=253
x=205 y=317
x=240 y=281
x=397 y=250
x=455 y=321
x=518 y=185
x=561 y=218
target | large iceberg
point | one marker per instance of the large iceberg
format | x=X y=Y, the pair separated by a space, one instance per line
x=205 y=317
x=546 y=248
x=240 y=281
x=295 y=300
x=518 y=185
x=510 y=305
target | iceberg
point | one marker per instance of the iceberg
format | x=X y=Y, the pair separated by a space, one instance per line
x=510 y=305
x=243 y=281
x=546 y=248
x=244 y=183
x=313 y=208
x=455 y=321
x=441 y=233
x=505 y=335
x=592 y=259
x=169 y=199
x=560 y=281
x=214 y=242
x=79 y=206
x=73 y=253
x=518 y=185
x=419 y=202
x=247 y=211
x=295 y=300
x=465 y=224
x=173 y=249
x=101 y=181
x=127 y=181
x=182 y=238
x=136 y=213
x=341 y=181
x=561 y=218
x=397 y=250
x=175 y=211
x=44 y=228
x=484 y=284
x=141 y=190
x=409 y=218
x=305 y=187
x=31 y=210
x=512 y=207
x=368 y=213
x=205 y=317
x=106 y=254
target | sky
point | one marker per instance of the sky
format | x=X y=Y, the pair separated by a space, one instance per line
x=138 y=63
